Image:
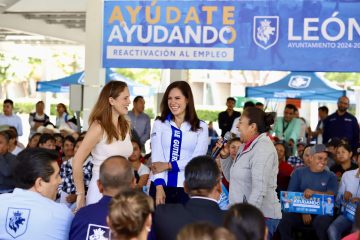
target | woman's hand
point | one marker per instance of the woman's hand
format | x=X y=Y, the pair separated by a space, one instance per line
x=224 y=153
x=80 y=202
x=158 y=167
x=160 y=195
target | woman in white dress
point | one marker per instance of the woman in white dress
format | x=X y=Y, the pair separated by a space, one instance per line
x=108 y=135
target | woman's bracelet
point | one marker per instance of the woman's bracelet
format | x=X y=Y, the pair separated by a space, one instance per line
x=79 y=193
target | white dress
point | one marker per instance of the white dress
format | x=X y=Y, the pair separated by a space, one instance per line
x=101 y=152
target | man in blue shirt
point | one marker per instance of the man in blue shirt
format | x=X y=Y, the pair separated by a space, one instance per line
x=30 y=212
x=140 y=121
x=310 y=180
x=342 y=124
x=116 y=174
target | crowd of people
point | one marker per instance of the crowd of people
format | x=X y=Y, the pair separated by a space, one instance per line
x=99 y=184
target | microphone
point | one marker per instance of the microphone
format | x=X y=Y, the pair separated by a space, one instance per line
x=226 y=138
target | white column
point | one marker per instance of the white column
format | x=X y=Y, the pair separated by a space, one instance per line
x=94 y=73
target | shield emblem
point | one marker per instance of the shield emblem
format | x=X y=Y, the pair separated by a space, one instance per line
x=97 y=232
x=299 y=81
x=16 y=221
x=266 y=31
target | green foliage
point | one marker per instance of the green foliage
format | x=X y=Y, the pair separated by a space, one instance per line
x=351 y=77
x=150 y=113
x=146 y=76
x=207 y=115
x=24 y=107
x=4 y=68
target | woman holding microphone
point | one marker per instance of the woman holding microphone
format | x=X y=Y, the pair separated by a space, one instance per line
x=253 y=174
x=178 y=136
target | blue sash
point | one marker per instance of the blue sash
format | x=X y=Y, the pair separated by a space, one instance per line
x=175 y=149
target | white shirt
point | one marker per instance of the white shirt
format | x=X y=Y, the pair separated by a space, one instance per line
x=234 y=128
x=16 y=150
x=28 y=215
x=193 y=144
x=14 y=121
x=350 y=183
x=143 y=169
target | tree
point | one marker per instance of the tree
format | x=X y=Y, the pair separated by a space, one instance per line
x=342 y=78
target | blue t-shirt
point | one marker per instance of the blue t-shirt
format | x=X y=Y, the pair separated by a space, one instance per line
x=90 y=221
x=303 y=179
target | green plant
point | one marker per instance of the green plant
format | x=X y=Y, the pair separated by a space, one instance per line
x=24 y=107
x=150 y=113
x=207 y=115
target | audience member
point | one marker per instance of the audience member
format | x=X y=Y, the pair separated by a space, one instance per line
x=108 y=135
x=287 y=128
x=343 y=160
x=213 y=136
x=9 y=118
x=30 y=212
x=253 y=174
x=67 y=188
x=116 y=174
x=37 y=118
x=62 y=115
x=305 y=130
x=130 y=215
x=34 y=140
x=296 y=160
x=260 y=106
x=13 y=143
x=331 y=147
x=307 y=155
x=141 y=171
x=68 y=148
x=47 y=141
x=285 y=169
x=348 y=192
x=323 y=112
x=342 y=124
x=178 y=136
x=203 y=184
x=246 y=222
x=140 y=121
x=226 y=118
x=310 y=180
x=7 y=164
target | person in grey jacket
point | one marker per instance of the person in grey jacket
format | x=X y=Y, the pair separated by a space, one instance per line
x=253 y=174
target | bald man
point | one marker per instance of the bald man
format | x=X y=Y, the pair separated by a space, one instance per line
x=116 y=174
x=342 y=124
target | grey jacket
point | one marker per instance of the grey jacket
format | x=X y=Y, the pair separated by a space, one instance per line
x=253 y=176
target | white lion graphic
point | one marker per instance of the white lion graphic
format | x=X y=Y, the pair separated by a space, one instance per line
x=98 y=235
x=264 y=31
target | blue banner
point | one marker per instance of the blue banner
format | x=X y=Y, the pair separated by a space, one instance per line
x=316 y=204
x=293 y=35
x=348 y=209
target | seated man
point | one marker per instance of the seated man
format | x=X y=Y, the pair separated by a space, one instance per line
x=30 y=212
x=116 y=174
x=203 y=184
x=7 y=164
x=310 y=180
